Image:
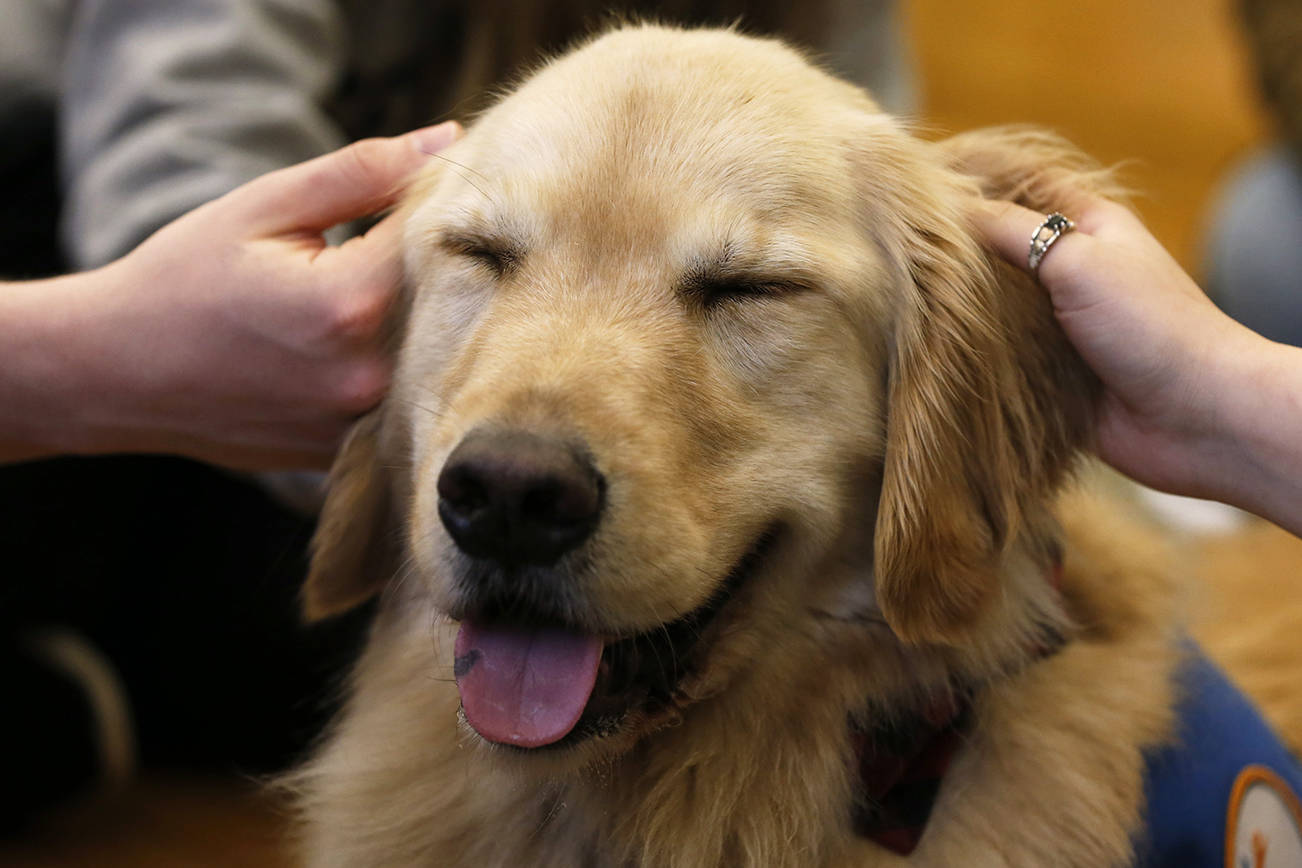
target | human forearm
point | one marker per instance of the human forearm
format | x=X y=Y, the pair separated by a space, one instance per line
x=42 y=365
x=98 y=363
x=1261 y=427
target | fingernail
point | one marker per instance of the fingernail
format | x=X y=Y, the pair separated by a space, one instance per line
x=431 y=140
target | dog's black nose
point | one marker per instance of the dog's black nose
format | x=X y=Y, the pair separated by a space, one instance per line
x=518 y=498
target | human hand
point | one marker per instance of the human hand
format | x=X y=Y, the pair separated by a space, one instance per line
x=235 y=334
x=1174 y=368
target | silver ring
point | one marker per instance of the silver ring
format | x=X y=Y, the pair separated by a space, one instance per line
x=1054 y=227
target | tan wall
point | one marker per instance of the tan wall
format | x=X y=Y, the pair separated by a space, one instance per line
x=1164 y=83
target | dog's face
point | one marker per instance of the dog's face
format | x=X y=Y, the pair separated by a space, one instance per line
x=696 y=335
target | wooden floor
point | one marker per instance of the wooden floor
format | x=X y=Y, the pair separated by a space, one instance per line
x=161 y=822
x=1160 y=83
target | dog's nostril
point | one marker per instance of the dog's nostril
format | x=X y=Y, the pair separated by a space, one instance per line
x=516 y=497
x=461 y=490
x=561 y=501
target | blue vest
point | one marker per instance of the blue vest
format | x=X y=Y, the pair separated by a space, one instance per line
x=1227 y=777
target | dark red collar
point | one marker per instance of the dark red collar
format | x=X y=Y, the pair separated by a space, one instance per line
x=900 y=767
x=901 y=762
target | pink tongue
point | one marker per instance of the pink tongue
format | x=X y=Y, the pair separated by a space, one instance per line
x=525 y=687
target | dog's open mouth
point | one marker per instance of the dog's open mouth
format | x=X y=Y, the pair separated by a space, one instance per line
x=552 y=687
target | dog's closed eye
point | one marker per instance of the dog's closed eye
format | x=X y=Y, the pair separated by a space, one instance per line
x=713 y=289
x=498 y=255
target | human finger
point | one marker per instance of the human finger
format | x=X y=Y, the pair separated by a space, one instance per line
x=354 y=285
x=361 y=179
x=376 y=257
x=1007 y=228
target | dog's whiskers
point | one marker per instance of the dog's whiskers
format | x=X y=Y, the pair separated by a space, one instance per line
x=552 y=804
x=671 y=647
x=404 y=571
x=465 y=171
x=418 y=406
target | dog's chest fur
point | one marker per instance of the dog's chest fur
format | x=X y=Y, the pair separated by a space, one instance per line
x=1052 y=774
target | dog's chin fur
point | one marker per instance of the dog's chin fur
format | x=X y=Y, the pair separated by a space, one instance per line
x=899 y=420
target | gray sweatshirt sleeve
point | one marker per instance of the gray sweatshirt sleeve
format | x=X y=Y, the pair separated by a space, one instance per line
x=166 y=104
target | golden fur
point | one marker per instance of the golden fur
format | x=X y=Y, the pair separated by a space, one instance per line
x=1248 y=615
x=898 y=412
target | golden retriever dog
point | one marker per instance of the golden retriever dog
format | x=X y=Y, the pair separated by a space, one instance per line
x=722 y=475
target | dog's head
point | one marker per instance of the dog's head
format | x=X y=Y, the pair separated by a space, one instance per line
x=697 y=335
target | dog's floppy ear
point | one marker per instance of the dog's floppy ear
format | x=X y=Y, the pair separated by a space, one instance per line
x=355 y=549
x=987 y=401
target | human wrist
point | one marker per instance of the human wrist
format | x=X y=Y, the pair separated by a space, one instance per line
x=1262 y=421
x=1239 y=440
x=44 y=365
x=72 y=380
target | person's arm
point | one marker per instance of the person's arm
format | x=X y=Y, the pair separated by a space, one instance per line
x=167 y=104
x=1194 y=403
x=233 y=335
